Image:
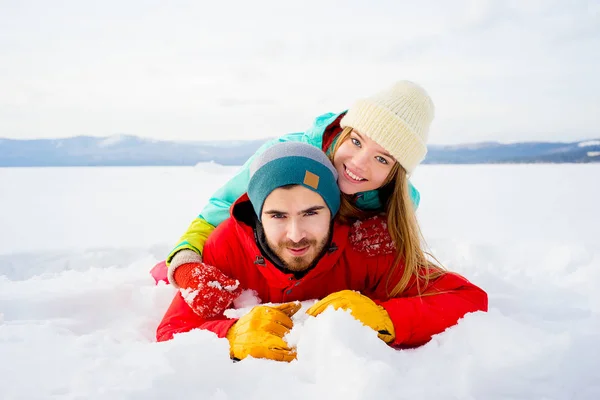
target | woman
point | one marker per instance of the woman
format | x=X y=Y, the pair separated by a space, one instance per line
x=374 y=147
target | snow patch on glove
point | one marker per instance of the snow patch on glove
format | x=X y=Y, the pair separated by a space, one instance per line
x=189 y=295
x=229 y=288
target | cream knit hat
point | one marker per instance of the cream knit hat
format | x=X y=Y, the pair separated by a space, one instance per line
x=397 y=119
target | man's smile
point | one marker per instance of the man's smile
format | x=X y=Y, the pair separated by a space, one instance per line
x=298 y=252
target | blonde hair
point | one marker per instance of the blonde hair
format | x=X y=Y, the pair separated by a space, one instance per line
x=402 y=226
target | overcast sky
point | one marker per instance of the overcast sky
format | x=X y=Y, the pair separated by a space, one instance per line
x=209 y=70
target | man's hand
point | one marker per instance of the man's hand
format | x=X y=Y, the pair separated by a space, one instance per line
x=362 y=308
x=260 y=333
x=205 y=288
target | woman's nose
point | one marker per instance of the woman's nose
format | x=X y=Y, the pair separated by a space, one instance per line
x=359 y=161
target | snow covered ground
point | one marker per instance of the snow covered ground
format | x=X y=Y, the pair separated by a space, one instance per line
x=78 y=309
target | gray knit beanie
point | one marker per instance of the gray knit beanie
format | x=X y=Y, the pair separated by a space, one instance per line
x=293 y=163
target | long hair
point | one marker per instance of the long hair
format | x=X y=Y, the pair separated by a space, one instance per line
x=402 y=226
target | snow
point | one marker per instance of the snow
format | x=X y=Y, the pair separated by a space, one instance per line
x=246 y=300
x=217 y=285
x=370 y=236
x=189 y=294
x=593 y=153
x=78 y=308
x=589 y=143
x=211 y=167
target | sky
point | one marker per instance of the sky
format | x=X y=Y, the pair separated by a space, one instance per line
x=195 y=70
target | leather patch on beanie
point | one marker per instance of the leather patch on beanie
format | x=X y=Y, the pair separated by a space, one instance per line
x=311 y=180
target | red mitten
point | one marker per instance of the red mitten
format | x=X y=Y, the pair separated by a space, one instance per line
x=372 y=237
x=206 y=289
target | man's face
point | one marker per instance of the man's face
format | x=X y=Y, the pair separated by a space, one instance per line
x=296 y=222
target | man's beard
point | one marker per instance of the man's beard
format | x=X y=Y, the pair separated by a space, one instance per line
x=299 y=264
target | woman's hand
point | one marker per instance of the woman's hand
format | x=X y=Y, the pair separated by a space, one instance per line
x=362 y=308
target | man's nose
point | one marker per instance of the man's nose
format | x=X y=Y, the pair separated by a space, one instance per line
x=296 y=231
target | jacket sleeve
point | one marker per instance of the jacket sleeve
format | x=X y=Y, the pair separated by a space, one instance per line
x=446 y=300
x=181 y=318
x=194 y=238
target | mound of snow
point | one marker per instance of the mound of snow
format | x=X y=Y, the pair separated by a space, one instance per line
x=79 y=309
x=211 y=167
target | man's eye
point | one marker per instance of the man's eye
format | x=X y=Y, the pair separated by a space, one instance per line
x=356 y=142
x=381 y=160
x=310 y=213
x=277 y=216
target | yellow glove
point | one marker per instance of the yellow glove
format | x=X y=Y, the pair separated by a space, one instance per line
x=362 y=308
x=259 y=333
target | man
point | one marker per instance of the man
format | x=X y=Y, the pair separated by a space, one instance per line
x=283 y=242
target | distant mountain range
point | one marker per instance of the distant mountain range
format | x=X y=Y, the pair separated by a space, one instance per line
x=515 y=153
x=126 y=150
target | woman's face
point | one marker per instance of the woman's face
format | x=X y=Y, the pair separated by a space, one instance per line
x=361 y=164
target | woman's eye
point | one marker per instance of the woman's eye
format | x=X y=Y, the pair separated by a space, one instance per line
x=356 y=142
x=381 y=160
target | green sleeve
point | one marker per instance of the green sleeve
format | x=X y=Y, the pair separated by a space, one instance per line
x=194 y=238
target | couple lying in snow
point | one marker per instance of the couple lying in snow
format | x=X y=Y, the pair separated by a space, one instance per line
x=328 y=215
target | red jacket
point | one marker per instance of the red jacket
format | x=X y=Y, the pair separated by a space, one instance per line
x=232 y=248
